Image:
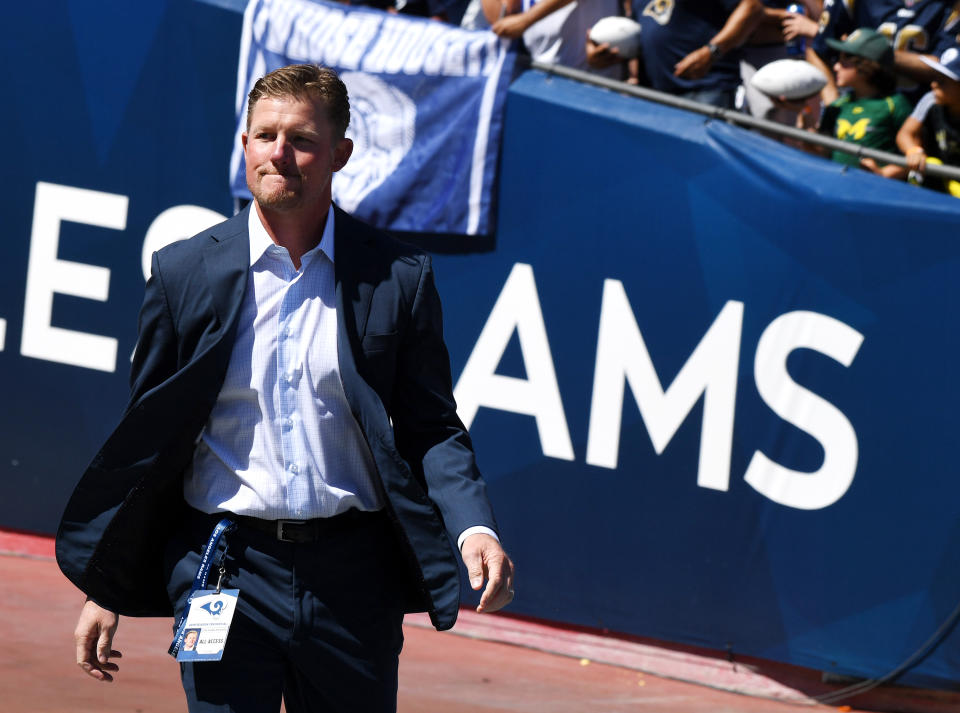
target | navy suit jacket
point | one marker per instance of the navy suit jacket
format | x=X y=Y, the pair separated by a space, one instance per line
x=396 y=375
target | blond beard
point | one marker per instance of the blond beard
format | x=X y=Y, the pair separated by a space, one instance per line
x=278 y=198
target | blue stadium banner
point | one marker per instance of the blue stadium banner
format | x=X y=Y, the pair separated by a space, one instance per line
x=426 y=108
x=712 y=384
x=711 y=380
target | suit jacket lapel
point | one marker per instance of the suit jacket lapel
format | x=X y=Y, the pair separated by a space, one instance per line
x=354 y=291
x=354 y=297
x=227 y=262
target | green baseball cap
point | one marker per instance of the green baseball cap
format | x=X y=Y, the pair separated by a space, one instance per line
x=866 y=43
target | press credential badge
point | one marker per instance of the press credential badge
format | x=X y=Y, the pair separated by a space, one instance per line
x=206 y=624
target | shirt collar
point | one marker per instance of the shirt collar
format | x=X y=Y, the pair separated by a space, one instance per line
x=260 y=240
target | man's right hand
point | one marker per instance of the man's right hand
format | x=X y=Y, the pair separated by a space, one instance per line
x=600 y=56
x=94 y=638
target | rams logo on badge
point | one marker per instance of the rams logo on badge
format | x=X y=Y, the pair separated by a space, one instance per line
x=214 y=608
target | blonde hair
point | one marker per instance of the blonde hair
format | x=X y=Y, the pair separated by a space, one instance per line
x=305 y=81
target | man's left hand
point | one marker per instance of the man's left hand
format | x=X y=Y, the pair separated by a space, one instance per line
x=485 y=559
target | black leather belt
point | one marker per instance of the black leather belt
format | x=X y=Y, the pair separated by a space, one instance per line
x=307 y=530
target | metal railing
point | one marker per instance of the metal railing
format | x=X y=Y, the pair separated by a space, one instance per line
x=735 y=117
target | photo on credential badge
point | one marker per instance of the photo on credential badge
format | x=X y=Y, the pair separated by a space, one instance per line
x=207 y=625
x=190 y=639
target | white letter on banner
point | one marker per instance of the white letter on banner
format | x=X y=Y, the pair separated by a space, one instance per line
x=711 y=370
x=433 y=59
x=409 y=34
x=517 y=308
x=323 y=33
x=383 y=48
x=369 y=24
x=3 y=333
x=173 y=224
x=425 y=44
x=497 y=47
x=805 y=410
x=475 y=56
x=280 y=25
x=298 y=48
x=47 y=275
x=455 y=59
x=336 y=46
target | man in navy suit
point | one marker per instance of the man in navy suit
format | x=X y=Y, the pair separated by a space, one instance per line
x=290 y=374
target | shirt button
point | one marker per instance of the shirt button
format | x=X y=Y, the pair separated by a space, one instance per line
x=288 y=423
x=294 y=468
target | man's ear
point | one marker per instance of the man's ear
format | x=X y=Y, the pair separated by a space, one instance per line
x=342 y=153
x=243 y=142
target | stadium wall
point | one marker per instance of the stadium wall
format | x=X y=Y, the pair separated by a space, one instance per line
x=710 y=379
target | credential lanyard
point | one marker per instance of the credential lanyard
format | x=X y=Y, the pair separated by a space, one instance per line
x=200 y=580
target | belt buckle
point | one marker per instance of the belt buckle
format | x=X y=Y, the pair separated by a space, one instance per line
x=281 y=523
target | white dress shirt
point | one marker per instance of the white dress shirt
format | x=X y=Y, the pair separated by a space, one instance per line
x=281 y=441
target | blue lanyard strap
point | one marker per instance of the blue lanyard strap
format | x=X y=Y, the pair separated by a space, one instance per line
x=203 y=572
x=206 y=561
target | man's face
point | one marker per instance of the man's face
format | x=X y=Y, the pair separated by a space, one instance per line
x=291 y=154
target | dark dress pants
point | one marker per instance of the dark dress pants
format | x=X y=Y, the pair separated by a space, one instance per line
x=317 y=623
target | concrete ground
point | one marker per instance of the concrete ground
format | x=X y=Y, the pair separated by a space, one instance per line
x=439 y=672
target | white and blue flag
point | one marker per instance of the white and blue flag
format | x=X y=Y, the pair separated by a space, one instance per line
x=426 y=102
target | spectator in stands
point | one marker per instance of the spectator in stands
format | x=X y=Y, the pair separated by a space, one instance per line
x=932 y=132
x=796 y=26
x=923 y=27
x=689 y=47
x=768 y=43
x=552 y=30
x=871 y=111
x=443 y=10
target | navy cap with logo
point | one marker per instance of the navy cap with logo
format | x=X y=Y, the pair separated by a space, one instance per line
x=866 y=43
x=949 y=64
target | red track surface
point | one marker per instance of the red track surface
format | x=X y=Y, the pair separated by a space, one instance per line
x=446 y=673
